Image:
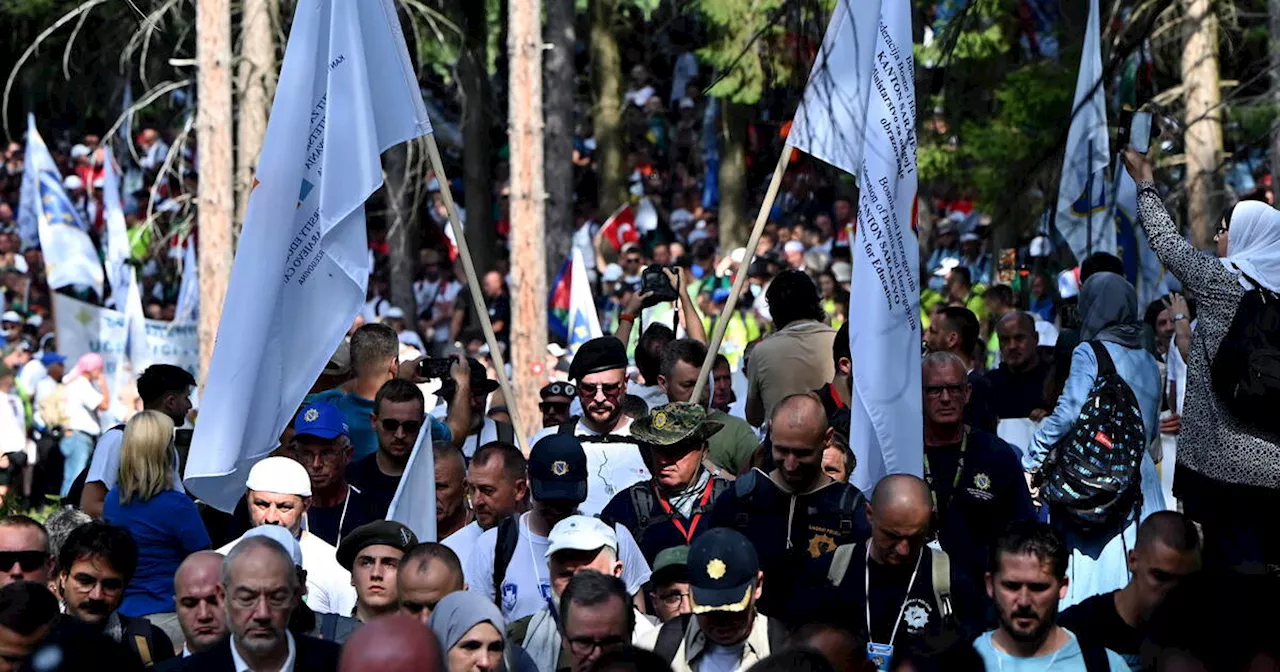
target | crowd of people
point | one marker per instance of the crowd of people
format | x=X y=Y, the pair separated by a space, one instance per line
x=647 y=529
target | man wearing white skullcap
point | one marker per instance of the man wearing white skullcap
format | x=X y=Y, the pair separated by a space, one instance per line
x=279 y=493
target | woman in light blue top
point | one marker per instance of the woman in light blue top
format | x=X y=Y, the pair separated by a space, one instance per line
x=1109 y=314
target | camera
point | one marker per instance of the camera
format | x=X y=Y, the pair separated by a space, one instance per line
x=655 y=280
x=435 y=368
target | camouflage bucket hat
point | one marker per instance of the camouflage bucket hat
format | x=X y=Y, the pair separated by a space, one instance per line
x=675 y=423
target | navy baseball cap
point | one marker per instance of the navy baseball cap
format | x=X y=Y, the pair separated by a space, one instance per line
x=723 y=567
x=321 y=420
x=558 y=469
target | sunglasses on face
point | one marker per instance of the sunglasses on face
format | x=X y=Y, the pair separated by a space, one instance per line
x=391 y=426
x=29 y=561
x=937 y=390
x=547 y=406
x=588 y=390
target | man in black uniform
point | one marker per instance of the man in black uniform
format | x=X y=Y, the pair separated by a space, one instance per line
x=796 y=513
x=668 y=509
x=556 y=399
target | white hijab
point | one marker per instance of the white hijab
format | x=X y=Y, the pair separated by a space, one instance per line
x=1253 y=246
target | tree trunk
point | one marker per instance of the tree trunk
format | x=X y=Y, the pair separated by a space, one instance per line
x=402 y=230
x=217 y=196
x=256 y=80
x=529 y=280
x=477 y=125
x=558 y=75
x=735 y=223
x=1203 y=137
x=606 y=76
x=1273 y=9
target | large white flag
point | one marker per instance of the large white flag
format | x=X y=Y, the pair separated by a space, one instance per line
x=189 y=289
x=117 y=248
x=1082 y=190
x=584 y=322
x=886 y=431
x=70 y=257
x=830 y=120
x=414 y=504
x=347 y=91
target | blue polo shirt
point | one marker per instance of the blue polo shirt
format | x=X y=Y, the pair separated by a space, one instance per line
x=167 y=528
x=358 y=413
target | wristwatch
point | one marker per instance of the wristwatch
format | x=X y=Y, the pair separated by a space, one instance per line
x=1178 y=317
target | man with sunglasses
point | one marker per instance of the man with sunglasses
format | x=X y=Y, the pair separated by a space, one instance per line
x=556 y=399
x=482 y=429
x=24 y=551
x=975 y=479
x=613 y=457
x=95 y=565
x=323 y=445
x=398 y=416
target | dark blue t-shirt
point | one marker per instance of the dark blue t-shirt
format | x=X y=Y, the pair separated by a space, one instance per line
x=167 y=528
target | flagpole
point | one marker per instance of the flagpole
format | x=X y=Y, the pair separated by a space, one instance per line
x=740 y=278
x=1088 y=191
x=477 y=300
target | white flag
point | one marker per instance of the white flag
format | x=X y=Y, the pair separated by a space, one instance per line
x=346 y=92
x=414 y=504
x=1141 y=265
x=117 y=252
x=189 y=289
x=1082 y=190
x=70 y=257
x=886 y=429
x=584 y=322
x=830 y=119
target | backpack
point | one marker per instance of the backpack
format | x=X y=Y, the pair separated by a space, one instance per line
x=671 y=636
x=643 y=499
x=1246 y=370
x=851 y=501
x=940 y=564
x=1091 y=477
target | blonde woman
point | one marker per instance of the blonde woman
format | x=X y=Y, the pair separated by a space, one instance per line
x=164 y=522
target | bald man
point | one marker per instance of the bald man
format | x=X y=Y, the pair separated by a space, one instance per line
x=200 y=612
x=427 y=573
x=913 y=599
x=796 y=513
x=395 y=643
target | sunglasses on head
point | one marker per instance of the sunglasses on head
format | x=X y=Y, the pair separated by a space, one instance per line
x=391 y=425
x=30 y=561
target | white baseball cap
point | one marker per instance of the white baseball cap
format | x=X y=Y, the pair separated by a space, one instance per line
x=11 y=316
x=281 y=475
x=581 y=533
x=793 y=246
x=79 y=151
x=393 y=313
x=280 y=535
x=72 y=182
x=612 y=273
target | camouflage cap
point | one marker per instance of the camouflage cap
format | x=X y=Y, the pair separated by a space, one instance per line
x=674 y=423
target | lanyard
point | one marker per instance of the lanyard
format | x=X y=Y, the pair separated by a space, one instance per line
x=343 y=518
x=867 y=591
x=835 y=395
x=533 y=567
x=693 y=525
x=955 y=483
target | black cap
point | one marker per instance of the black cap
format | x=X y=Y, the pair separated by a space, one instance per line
x=480 y=381
x=598 y=354
x=722 y=571
x=558 y=389
x=377 y=533
x=558 y=469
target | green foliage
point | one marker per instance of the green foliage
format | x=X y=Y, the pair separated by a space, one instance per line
x=749 y=45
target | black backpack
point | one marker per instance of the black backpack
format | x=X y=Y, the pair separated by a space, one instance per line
x=643 y=498
x=851 y=502
x=1246 y=371
x=1091 y=477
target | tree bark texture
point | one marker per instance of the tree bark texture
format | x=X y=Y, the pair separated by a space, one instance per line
x=606 y=78
x=528 y=242
x=558 y=78
x=735 y=223
x=402 y=231
x=256 y=83
x=477 y=126
x=217 y=195
x=1203 y=137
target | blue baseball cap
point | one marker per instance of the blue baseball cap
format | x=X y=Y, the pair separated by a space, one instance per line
x=51 y=358
x=322 y=420
x=558 y=469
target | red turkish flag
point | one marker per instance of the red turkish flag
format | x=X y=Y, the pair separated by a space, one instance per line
x=620 y=228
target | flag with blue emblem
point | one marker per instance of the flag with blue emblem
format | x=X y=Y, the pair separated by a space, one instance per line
x=70 y=257
x=1082 y=190
x=584 y=323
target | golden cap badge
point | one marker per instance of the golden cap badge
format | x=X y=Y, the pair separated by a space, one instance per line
x=559 y=467
x=659 y=420
x=311 y=415
x=716 y=568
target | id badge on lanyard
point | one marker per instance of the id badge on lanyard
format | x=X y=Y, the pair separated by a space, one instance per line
x=880 y=655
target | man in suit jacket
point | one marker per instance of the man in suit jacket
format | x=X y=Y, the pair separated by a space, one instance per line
x=262 y=590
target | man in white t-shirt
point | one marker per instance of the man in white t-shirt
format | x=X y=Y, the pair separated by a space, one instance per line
x=498 y=487
x=520 y=577
x=162 y=387
x=613 y=460
x=279 y=493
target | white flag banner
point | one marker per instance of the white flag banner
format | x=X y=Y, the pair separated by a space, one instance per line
x=830 y=120
x=584 y=322
x=189 y=289
x=886 y=428
x=1082 y=189
x=83 y=328
x=414 y=504
x=347 y=92
x=117 y=248
x=70 y=257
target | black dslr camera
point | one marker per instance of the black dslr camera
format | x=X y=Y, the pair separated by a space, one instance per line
x=655 y=280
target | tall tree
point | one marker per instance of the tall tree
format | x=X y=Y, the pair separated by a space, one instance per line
x=558 y=100
x=217 y=197
x=477 y=126
x=606 y=77
x=1203 y=136
x=256 y=81
x=735 y=222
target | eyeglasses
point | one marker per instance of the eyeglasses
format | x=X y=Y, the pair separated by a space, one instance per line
x=936 y=391
x=29 y=561
x=86 y=582
x=326 y=455
x=583 y=646
x=391 y=426
x=673 y=598
x=588 y=390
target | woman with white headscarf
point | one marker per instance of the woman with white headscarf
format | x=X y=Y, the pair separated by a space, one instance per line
x=1227 y=476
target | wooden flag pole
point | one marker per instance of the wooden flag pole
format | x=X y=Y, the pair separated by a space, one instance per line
x=473 y=283
x=741 y=278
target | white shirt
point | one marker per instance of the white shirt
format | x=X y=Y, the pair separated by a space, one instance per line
x=527 y=583
x=13 y=423
x=611 y=467
x=242 y=666
x=410 y=337
x=105 y=466
x=640 y=97
x=32 y=373
x=445 y=299
x=82 y=406
x=329 y=589
x=462 y=541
